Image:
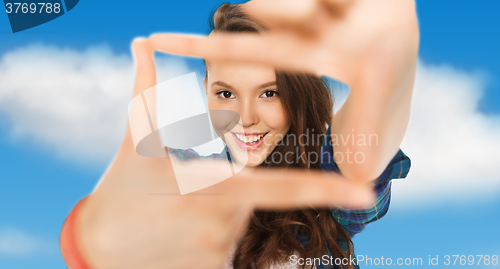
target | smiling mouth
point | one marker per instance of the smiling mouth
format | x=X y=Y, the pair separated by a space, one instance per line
x=250 y=139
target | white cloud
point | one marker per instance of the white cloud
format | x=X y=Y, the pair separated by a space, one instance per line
x=15 y=242
x=72 y=102
x=454 y=148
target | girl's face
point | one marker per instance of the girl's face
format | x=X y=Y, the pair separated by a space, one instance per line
x=250 y=91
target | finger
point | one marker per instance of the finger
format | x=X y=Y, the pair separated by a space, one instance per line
x=278 y=12
x=145 y=73
x=279 y=189
x=304 y=15
x=142 y=110
x=281 y=51
x=337 y=7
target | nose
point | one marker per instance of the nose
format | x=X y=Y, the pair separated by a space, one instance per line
x=248 y=114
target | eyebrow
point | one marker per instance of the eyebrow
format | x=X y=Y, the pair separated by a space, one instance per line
x=225 y=85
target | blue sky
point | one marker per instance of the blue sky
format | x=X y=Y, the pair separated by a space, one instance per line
x=449 y=210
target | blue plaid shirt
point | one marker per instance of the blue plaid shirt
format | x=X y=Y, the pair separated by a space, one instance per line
x=353 y=221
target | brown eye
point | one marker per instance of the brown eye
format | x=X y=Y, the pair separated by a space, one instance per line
x=225 y=94
x=269 y=94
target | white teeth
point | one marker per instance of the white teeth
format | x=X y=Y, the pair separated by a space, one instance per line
x=249 y=138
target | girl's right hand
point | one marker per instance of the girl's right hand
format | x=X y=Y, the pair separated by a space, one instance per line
x=136 y=218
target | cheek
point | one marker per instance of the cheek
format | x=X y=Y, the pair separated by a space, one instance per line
x=214 y=103
x=211 y=104
x=274 y=117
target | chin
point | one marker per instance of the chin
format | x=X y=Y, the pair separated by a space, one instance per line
x=254 y=163
x=247 y=160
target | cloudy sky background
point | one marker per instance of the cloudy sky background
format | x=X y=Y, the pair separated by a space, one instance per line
x=65 y=87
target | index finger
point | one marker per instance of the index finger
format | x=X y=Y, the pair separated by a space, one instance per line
x=265 y=49
x=291 y=188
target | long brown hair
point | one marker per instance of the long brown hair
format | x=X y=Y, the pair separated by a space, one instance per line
x=272 y=235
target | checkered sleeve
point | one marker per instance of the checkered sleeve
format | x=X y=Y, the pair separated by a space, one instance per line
x=355 y=221
x=190 y=154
